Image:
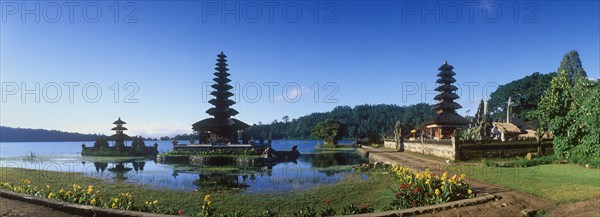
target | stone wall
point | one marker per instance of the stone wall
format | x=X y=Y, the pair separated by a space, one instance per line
x=507 y=149
x=446 y=151
x=444 y=148
x=391 y=144
x=449 y=149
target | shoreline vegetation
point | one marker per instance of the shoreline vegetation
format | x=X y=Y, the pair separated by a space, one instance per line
x=354 y=194
x=352 y=190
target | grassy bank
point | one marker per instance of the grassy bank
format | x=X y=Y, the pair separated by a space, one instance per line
x=559 y=183
x=374 y=192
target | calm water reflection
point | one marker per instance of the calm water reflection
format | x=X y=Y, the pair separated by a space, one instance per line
x=309 y=170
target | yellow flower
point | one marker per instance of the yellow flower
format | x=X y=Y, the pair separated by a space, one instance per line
x=207 y=198
x=93 y=202
x=437 y=191
x=444 y=175
x=69 y=193
x=128 y=195
x=116 y=199
x=147 y=203
x=47 y=186
x=114 y=205
x=90 y=190
x=408 y=177
x=203 y=206
x=155 y=202
x=462 y=176
x=50 y=195
x=26 y=181
x=469 y=191
x=427 y=182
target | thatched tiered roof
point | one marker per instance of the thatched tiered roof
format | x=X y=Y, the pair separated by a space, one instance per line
x=446 y=107
x=119 y=122
x=222 y=110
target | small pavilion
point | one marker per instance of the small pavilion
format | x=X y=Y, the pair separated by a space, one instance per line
x=119 y=137
x=446 y=120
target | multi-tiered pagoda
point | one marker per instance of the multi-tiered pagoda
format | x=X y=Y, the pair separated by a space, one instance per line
x=119 y=137
x=221 y=128
x=446 y=120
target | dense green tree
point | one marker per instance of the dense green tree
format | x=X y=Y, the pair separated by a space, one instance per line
x=572 y=65
x=553 y=110
x=569 y=109
x=588 y=119
x=362 y=121
x=101 y=142
x=526 y=94
x=329 y=130
x=10 y=134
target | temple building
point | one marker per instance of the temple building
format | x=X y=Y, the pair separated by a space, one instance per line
x=446 y=120
x=119 y=148
x=119 y=137
x=221 y=128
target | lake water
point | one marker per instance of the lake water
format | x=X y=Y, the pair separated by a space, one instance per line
x=310 y=170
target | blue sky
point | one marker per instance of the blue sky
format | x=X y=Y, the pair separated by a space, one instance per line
x=328 y=54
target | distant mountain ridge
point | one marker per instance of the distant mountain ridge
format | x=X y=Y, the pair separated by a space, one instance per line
x=11 y=134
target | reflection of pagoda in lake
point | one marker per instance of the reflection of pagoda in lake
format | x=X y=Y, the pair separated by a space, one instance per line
x=220 y=181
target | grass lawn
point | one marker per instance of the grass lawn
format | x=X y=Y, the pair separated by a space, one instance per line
x=323 y=149
x=374 y=191
x=559 y=183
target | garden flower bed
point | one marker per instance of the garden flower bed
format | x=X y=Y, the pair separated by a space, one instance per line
x=416 y=188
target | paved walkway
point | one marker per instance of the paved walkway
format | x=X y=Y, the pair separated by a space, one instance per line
x=510 y=203
x=10 y=207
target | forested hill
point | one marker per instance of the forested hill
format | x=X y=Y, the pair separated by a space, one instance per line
x=9 y=134
x=362 y=121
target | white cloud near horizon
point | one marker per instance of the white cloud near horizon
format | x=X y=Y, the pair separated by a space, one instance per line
x=150 y=129
x=295 y=94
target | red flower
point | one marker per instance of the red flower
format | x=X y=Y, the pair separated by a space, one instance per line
x=414 y=203
x=397 y=194
x=327 y=202
x=402 y=186
x=417 y=190
x=180 y=212
x=363 y=206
